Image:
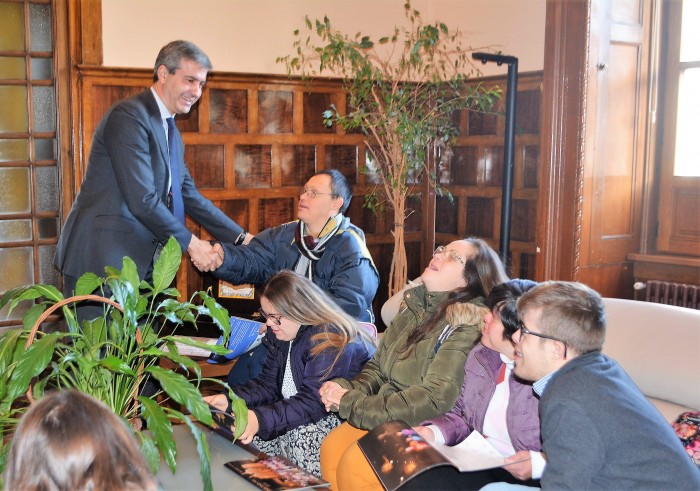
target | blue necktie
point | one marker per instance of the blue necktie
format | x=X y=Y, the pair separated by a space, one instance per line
x=178 y=208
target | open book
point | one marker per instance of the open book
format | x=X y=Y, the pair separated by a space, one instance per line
x=222 y=422
x=397 y=453
x=273 y=473
x=245 y=335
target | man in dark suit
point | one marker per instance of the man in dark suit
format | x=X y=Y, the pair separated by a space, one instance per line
x=137 y=187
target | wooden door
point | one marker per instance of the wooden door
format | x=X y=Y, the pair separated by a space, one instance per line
x=614 y=143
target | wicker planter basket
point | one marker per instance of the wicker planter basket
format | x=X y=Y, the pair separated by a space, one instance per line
x=136 y=422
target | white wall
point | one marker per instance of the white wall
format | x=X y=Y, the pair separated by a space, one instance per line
x=247 y=36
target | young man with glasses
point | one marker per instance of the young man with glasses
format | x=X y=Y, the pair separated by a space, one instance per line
x=598 y=430
x=322 y=245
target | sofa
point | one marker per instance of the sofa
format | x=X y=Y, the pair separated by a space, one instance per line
x=659 y=347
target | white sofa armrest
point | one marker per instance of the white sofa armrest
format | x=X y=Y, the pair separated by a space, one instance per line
x=657 y=345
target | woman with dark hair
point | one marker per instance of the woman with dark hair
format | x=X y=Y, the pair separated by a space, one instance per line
x=418 y=368
x=312 y=341
x=493 y=402
x=68 y=441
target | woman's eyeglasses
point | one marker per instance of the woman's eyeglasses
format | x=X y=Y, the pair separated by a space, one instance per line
x=449 y=254
x=525 y=330
x=275 y=318
x=313 y=193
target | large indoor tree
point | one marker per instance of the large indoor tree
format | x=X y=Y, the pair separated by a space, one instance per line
x=402 y=91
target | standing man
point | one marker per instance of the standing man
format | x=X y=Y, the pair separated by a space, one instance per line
x=137 y=188
x=598 y=430
x=322 y=245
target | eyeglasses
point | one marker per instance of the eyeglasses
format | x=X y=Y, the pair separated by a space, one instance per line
x=311 y=193
x=525 y=330
x=275 y=318
x=449 y=254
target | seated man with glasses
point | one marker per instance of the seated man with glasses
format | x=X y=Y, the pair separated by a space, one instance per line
x=598 y=430
x=321 y=245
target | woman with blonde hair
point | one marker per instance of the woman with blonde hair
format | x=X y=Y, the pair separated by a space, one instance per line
x=68 y=441
x=418 y=369
x=310 y=340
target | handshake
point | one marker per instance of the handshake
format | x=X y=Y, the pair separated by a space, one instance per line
x=205 y=256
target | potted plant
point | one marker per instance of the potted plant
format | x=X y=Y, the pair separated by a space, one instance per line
x=109 y=357
x=402 y=91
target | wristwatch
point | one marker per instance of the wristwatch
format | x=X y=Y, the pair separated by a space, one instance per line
x=241 y=237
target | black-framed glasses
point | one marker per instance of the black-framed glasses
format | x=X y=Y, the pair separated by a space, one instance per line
x=449 y=254
x=525 y=330
x=311 y=193
x=275 y=318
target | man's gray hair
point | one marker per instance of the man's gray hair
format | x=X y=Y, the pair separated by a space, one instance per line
x=172 y=53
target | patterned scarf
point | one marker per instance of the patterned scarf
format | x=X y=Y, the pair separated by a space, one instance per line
x=312 y=249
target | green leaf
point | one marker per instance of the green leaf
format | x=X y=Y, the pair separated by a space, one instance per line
x=366 y=42
x=202 y=451
x=117 y=365
x=183 y=361
x=218 y=314
x=240 y=412
x=87 y=284
x=166 y=266
x=32 y=315
x=183 y=392
x=8 y=347
x=130 y=274
x=22 y=293
x=149 y=451
x=162 y=430
x=95 y=331
x=32 y=363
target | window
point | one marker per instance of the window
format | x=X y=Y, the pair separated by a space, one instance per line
x=29 y=181
x=679 y=169
x=686 y=73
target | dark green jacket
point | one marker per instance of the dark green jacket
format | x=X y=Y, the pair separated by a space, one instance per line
x=424 y=384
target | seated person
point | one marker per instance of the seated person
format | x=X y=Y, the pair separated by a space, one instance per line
x=314 y=341
x=493 y=402
x=68 y=441
x=598 y=430
x=322 y=245
x=418 y=368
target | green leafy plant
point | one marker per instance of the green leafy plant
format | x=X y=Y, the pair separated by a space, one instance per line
x=110 y=357
x=402 y=93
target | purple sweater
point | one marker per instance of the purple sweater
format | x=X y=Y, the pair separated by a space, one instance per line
x=480 y=377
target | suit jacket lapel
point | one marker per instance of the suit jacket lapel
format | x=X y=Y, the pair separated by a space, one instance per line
x=157 y=124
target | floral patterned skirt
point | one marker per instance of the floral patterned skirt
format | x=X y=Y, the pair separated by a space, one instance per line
x=301 y=445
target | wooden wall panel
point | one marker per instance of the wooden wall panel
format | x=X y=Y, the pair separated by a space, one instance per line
x=614 y=145
x=251 y=143
x=473 y=172
x=680 y=202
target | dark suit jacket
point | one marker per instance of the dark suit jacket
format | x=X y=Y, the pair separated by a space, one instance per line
x=121 y=208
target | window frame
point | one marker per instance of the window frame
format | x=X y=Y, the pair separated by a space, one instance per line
x=679 y=196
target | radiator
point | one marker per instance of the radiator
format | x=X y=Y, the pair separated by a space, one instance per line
x=668 y=293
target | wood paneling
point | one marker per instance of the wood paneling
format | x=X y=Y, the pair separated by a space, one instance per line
x=563 y=110
x=248 y=151
x=680 y=234
x=666 y=268
x=253 y=141
x=472 y=171
x=614 y=144
x=596 y=81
